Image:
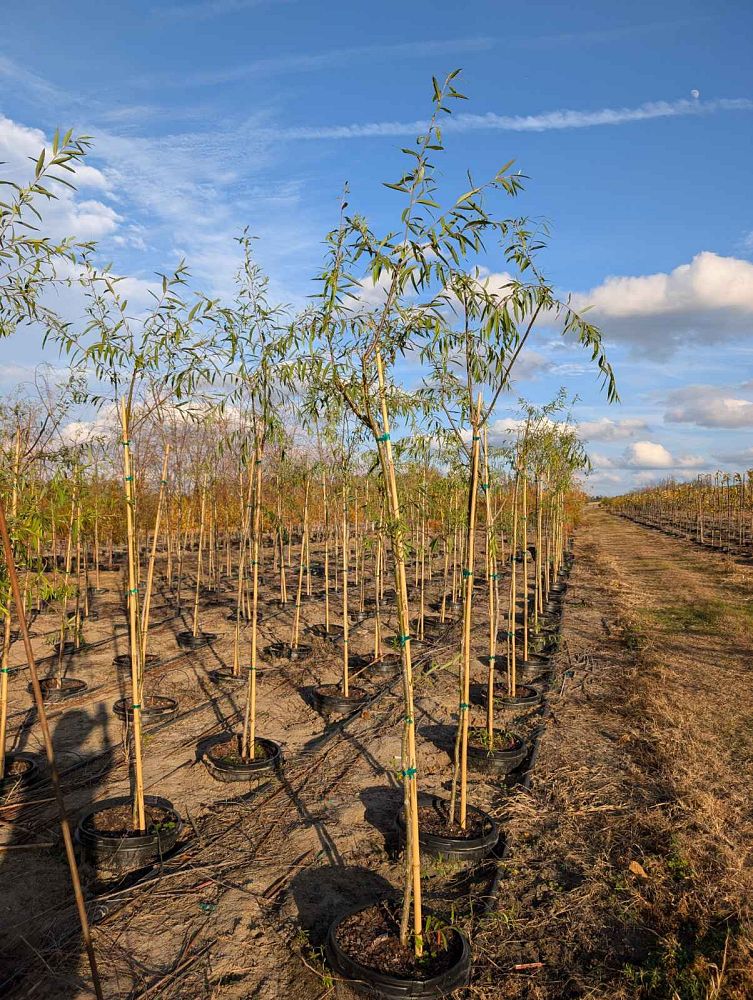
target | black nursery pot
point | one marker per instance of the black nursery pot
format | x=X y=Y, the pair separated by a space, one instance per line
x=298 y=653
x=524 y=697
x=333 y=634
x=187 y=640
x=56 y=689
x=224 y=767
x=532 y=668
x=155 y=708
x=132 y=851
x=283 y=650
x=21 y=770
x=123 y=661
x=497 y=761
x=387 y=666
x=330 y=700
x=68 y=647
x=225 y=677
x=367 y=982
x=467 y=850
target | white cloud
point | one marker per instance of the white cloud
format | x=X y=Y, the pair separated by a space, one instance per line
x=708 y=406
x=68 y=214
x=652 y=455
x=646 y=455
x=605 y=429
x=544 y=122
x=710 y=299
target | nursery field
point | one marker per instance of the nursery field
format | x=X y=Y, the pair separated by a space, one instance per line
x=623 y=870
x=320 y=674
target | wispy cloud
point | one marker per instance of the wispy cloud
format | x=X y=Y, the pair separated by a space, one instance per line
x=327 y=59
x=36 y=85
x=544 y=122
x=206 y=9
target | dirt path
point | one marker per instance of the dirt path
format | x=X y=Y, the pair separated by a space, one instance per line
x=631 y=873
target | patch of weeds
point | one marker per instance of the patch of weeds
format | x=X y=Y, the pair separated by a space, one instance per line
x=703 y=616
x=679 y=866
x=632 y=635
x=679 y=971
x=312 y=957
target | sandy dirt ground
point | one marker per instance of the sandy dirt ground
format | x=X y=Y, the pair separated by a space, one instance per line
x=627 y=870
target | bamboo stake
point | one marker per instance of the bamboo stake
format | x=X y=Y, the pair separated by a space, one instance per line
x=195 y=628
x=152 y=560
x=410 y=765
x=4 y=668
x=345 y=572
x=50 y=754
x=139 y=812
x=249 y=731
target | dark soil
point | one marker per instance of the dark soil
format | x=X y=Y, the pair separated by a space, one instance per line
x=118 y=821
x=478 y=738
x=433 y=819
x=229 y=752
x=372 y=937
x=521 y=692
x=16 y=769
x=354 y=694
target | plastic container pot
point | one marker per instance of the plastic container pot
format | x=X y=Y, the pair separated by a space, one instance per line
x=496 y=761
x=467 y=850
x=187 y=640
x=21 y=770
x=330 y=700
x=524 y=697
x=133 y=851
x=56 y=689
x=366 y=982
x=259 y=771
x=155 y=708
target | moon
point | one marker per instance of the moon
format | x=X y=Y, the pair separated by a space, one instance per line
x=695 y=94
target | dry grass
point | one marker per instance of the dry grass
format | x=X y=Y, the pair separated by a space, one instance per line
x=632 y=870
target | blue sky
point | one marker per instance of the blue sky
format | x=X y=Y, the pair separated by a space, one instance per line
x=633 y=122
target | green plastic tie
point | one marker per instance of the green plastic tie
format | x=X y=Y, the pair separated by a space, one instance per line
x=403 y=640
x=407 y=720
x=476 y=437
x=383 y=437
x=464 y=706
x=467 y=573
x=484 y=486
x=129 y=479
x=4 y=670
x=126 y=444
x=492 y=656
x=134 y=590
x=163 y=482
x=134 y=707
x=494 y=576
x=409 y=772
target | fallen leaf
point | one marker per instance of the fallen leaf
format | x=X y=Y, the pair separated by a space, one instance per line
x=637 y=869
